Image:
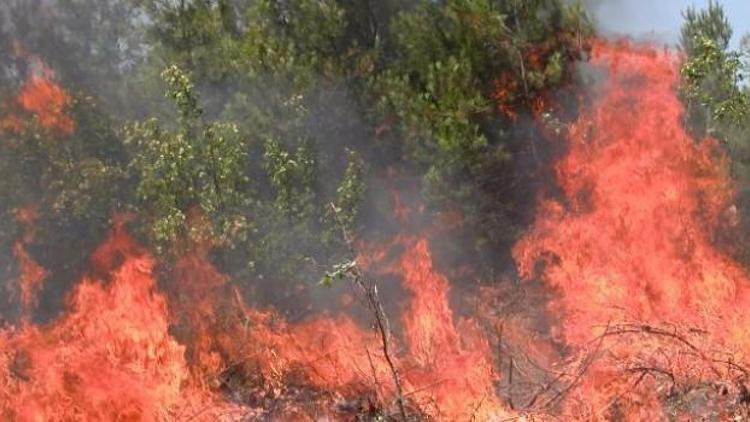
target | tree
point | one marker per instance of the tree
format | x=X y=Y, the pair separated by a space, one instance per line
x=76 y=181
x=276 y=109
x=197 y=167
x=461 y=75
x=717 y=98
x=712 y=74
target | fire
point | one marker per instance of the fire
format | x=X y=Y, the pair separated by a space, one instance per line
x=453 y=360
x=445 y=366
x=632 y=239
x=125 y=350
x=31 y=274
x=504 y=89
x=44 y=99
x=642 y=299
x=111 y=357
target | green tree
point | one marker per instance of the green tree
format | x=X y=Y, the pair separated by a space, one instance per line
x=414 y=82
x=198 y=166
x=75 y=181
x=712 y=74
x=451 y=61
x=280 y=112
x=717 y=99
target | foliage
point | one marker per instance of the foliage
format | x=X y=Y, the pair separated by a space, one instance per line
x=198 y=166
x=713 y=80
x=710 y=23
x=291 y=176
x=349 y=195
x=75 y=183
x=715 y=91
x=712 y=75
x=281 y=119
x=340 y=271
x=462 y=73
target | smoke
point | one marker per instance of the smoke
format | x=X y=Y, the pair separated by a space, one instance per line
x=660 y=21
x=614 y=209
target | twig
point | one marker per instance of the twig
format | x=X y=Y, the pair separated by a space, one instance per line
x=374 y=372
x=370 y=290
x=426 y=387
x=584 y=368
x=510 y=382
x=651 y=370
x=656 y=331
x=476 y=409
x=545 y=387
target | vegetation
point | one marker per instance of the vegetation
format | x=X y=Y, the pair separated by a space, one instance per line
x=278 y=113
x=275 y=134
x=273 y=112
x=717 y=100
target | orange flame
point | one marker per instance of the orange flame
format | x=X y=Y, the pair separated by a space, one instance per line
x=448 y=375
x=628 y=246
x=112 y=355
x=109 y=358
x=504 y=88
x=45 y=100
x=632 y=239
x=453 y=371
x=32 y=274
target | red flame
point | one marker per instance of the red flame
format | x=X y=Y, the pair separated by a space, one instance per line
x=632 y=238
x=446 y=369
x=109 y=358
x=504 y=90
x=453 y=360
x=41 y=97
x=31 y=274
x=629 y=245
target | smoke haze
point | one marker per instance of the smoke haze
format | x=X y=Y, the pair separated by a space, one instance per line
x=660 y=20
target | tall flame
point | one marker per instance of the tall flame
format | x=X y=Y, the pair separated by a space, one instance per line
x=628 y=249
x=632 y=239
x=454 y=362
x=446 y=369
x=110 y=357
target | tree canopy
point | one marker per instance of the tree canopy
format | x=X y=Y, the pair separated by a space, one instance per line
x=244 y=123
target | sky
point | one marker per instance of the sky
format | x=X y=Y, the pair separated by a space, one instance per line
x=660 y=20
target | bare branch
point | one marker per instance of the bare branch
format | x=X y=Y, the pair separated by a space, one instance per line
x=370 y=290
